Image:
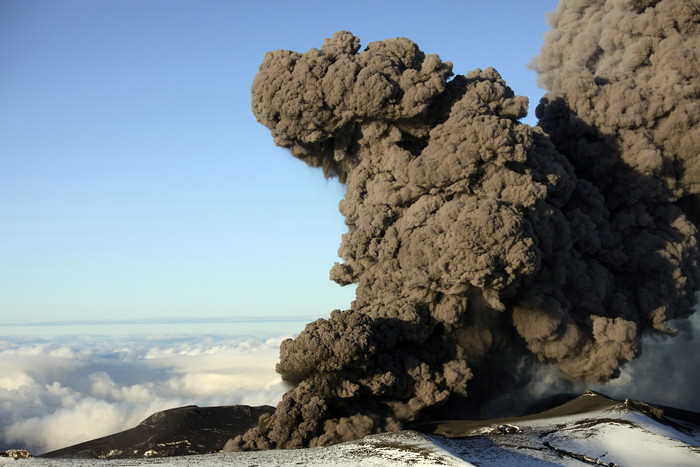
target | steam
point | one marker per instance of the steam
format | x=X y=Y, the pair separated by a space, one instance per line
x=480 y=245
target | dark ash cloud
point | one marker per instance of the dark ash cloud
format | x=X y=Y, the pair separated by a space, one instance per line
x=480 y=245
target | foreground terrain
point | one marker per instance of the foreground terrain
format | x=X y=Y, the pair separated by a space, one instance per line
x=588 y=430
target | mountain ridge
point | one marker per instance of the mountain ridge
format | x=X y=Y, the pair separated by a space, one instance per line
x=561 y=433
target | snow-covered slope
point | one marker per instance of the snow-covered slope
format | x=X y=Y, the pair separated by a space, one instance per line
x=589 y=430
x=387 y=449
x=628 y=433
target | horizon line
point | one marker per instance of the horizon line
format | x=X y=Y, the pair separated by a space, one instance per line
x=165 y=320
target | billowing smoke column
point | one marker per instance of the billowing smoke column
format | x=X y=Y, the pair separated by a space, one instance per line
x=478 y=243
x=623 y=82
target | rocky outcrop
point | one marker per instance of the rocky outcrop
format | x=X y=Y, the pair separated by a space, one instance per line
x=16 y=454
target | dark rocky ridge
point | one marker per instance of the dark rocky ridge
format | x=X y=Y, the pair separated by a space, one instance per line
x=175 y=432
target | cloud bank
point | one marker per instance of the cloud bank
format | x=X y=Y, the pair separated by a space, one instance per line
x=482 y=247
x=57 y=392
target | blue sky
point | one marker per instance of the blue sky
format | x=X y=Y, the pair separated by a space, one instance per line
x=134 y=179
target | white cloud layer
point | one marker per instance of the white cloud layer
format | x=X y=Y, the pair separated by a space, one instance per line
x=55 y=392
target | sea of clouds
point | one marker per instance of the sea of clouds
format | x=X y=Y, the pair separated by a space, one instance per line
x=60 y=390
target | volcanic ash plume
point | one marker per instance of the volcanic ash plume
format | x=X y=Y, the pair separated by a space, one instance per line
x=476 y=246
x=623 y=82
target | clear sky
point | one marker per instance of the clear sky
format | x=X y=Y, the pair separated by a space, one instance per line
x=134 y=179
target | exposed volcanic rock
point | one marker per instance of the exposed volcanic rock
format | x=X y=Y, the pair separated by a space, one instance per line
x=175 y=432
x=16 y=454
